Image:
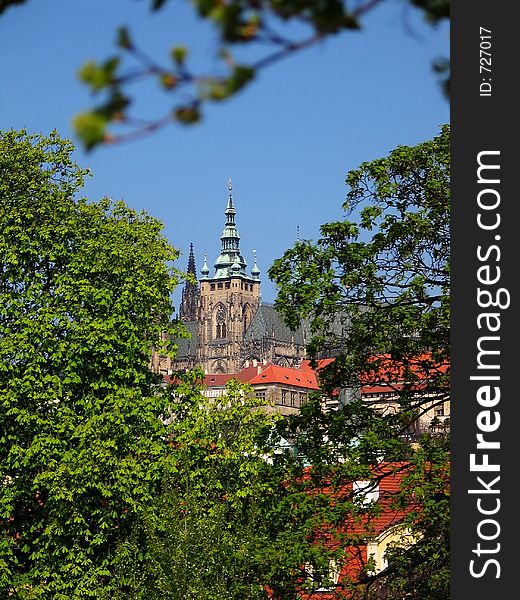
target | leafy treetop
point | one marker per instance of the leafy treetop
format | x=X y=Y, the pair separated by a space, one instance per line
x=84 y=296
x=375 y=288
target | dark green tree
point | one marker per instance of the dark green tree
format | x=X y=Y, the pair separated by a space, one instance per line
x=375 y=288
x=84 y=295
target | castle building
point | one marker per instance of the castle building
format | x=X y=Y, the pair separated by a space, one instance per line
x=229 y=326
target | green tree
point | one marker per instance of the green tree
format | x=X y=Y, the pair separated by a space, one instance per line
x=273 y=29
x=232 y=521
x=84 y=295
x=375 y=288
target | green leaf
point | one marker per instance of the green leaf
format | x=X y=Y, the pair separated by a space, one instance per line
x=123 y=39
x=99 y=76
x=90 y=127
x=179 y=55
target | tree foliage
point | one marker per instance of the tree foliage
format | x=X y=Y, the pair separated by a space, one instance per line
x=375 y=288
x=84 y=295
x=264 y=27
x=232 y=521
x=378 y=288
x=273 y=29
x=114 y=485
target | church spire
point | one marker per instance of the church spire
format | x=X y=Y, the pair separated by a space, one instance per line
x=230 y=251
x=191 y=262
x=190 y=291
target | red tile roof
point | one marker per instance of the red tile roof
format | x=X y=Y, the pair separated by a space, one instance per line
x=266 y=374
x=386 y=368
x=322 y=362
x=284 y=375
x=245 y=375
x=218 y=379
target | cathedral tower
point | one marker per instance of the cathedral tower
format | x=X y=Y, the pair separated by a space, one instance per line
x=228 y=301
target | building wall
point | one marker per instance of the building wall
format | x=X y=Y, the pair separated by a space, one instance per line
x=433 y=415
x=226 y=309
x=286 y=399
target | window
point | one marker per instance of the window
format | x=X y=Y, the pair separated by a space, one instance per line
x=439 y=410
x=366 y=491
x=319 y=579
x=260 y=394
x=219 y=286
x=284 y=396
x=227 y=285
x=293 y=398
x=212 y=287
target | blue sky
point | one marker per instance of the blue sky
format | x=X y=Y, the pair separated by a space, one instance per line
x=287 y=142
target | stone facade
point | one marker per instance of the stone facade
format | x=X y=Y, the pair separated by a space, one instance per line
x=227 y=306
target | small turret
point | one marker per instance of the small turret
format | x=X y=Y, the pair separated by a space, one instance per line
x=205 y=269
x=255 y=271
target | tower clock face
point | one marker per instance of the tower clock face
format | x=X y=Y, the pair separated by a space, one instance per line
x=221 y=315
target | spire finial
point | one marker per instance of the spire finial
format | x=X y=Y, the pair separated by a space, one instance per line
x=230 y=197
x=230 y=192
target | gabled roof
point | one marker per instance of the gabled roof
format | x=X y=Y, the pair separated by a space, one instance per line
x=389 y=478
x=386 y=374
x=287 y=376
x=265 y=375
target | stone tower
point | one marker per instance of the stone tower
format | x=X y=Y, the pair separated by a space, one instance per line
x=228 y=301
x=188 y=310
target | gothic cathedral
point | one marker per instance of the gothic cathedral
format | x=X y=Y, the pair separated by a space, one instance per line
x=229 y=326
